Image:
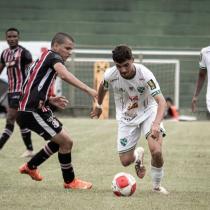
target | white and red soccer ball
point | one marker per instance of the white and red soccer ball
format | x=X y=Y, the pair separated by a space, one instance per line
x=123 y=184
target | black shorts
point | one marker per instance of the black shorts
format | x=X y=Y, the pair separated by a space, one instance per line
x=43 y=123
x=13 y=99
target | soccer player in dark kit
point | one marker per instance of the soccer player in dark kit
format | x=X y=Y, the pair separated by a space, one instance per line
x=35 y=113
x=16 y=59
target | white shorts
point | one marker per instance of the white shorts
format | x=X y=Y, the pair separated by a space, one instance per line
x=128 y=135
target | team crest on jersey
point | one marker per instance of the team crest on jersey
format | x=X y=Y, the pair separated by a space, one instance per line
x=151 y=84
x=106 y=84
x=141 y=89
x=123 y=141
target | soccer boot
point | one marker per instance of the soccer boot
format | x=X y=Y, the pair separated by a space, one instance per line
x=34 y=174
x=139 y=167
x=160 y=190
x=78 y=184
x=28 y=154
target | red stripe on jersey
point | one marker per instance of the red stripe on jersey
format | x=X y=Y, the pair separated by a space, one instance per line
x=19 y=76
x=10 y=72
x=31 y=79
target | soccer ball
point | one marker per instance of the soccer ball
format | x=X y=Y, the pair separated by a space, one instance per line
x=123 y=184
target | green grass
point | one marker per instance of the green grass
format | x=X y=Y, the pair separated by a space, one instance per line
x=95 y=159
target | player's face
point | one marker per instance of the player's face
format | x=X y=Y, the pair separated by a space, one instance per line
x=126 y=69
x=12 y=38
x=64 y=49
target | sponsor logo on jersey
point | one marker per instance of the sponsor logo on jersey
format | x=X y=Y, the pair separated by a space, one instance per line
x=123 y=141
x=10 y=64
x=141 y=89
x=151 y=84
x=53 y=121
x=121 y=90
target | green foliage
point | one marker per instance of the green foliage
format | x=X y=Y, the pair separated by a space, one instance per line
x=95 y=159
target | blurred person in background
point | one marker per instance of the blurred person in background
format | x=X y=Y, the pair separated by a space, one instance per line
x=16 y=59
x=140 y=108
x=204 y=70
x=171 y=110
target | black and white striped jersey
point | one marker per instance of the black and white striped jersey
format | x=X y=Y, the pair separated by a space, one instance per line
x=40 y=78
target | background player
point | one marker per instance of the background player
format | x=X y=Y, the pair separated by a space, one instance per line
x=204 y=70
x=35 y=113
x=16 y=59
x=140 y=107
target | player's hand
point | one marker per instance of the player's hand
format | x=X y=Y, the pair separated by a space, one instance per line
x=194 y=103
x=59 y=101
x=155 y=131
x=96 y=113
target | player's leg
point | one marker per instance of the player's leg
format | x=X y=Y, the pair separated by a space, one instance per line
x=49 y=127
x=155 y=147
x=64 y=156
x=38 y=123
x=128 y=137
x=26 y=136
x=9 y=127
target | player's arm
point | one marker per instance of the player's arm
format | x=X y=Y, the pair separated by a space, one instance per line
x=97 y=111
x=199 y=84
x=2 y=63
x=26 y=58
x=65 y=75
x=159 y=116
x=1 y=67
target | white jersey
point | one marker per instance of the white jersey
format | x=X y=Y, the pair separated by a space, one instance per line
x=205 y=64
x=133 y=97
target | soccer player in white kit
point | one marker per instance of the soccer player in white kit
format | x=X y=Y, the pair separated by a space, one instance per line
x=204 y=65
x=140 y=108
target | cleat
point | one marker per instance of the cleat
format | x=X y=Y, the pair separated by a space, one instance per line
x=139 y=167
x=78 y=184
x=34 y=174
x=160 y=190
x=28 y=154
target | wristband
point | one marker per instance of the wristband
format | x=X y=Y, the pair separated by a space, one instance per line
x=98 y=106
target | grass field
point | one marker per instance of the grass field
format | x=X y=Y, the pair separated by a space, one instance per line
x=187 y=171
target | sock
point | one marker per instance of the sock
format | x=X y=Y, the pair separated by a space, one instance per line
x=66 y=167
x=49 y=149
x=26 y=135
x=8 y=130
x=157 y=175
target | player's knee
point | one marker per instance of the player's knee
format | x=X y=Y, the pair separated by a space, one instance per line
x=68 y=143
x=125 y=162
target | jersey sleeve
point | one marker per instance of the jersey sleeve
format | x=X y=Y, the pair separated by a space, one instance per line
x=26 y=57
x=55 y=58
x=202 y=63
x=151 y=82
x=106 y=80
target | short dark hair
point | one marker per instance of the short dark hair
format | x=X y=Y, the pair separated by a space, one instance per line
x=169 y=100
x=13 y=29
x=121 y=53
x=60 y=37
